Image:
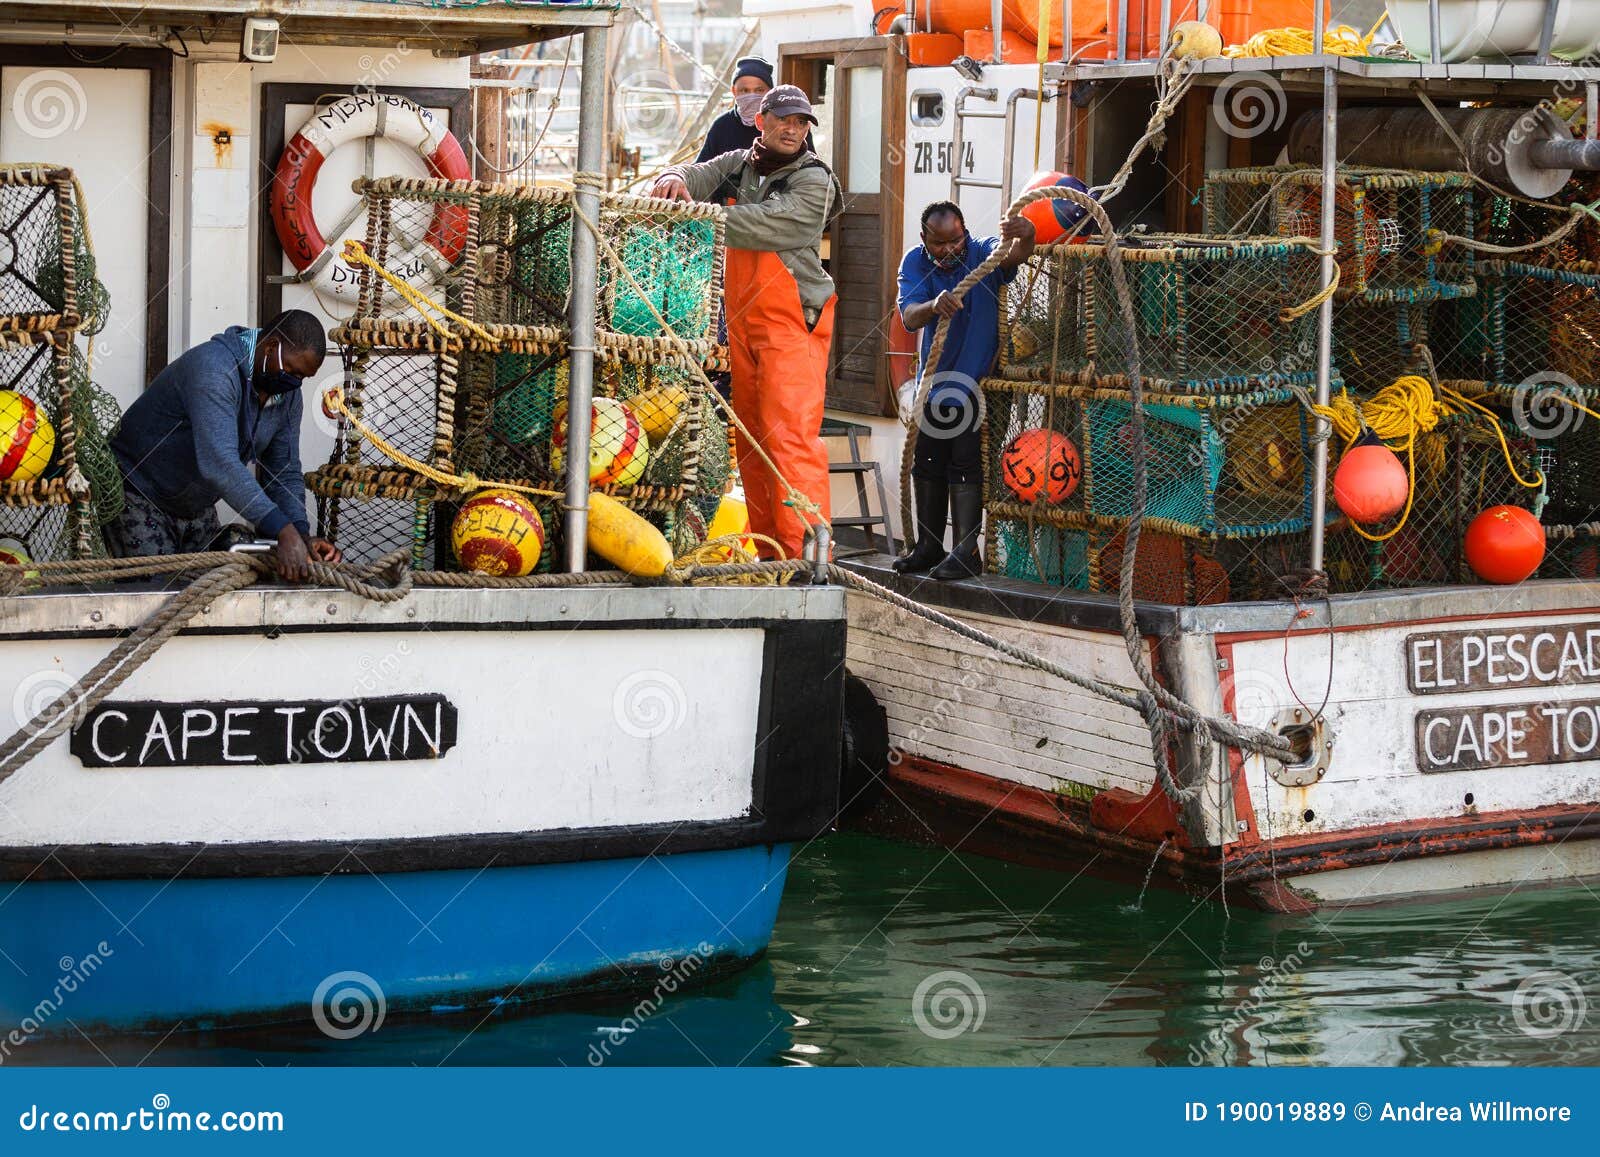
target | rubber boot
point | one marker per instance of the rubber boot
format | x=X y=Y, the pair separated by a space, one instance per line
x=966 y=512
x=933 y=501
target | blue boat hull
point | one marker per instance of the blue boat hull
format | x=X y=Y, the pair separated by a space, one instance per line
x=149 y=954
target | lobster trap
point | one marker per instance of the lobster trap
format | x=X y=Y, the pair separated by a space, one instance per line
x=47 y=270
x=1387 y=224
x=1467 y=464
x=499 y=256
x=1376 y=345
x=1230 y=466
x=1531 y=323
x=1208 y=315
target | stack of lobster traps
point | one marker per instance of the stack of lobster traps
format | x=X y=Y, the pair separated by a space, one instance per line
x=58 y=480
x=457 y=362
x=1226 y=328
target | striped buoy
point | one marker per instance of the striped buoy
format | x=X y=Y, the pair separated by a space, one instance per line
x=498 y=532
x=618 y=446
x=27 y=439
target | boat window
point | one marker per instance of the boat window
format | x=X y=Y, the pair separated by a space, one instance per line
x=927 y=108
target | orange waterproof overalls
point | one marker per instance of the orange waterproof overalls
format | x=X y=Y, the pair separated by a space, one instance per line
x=779 y=379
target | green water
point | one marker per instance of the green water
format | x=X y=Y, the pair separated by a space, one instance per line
x=1063 y=971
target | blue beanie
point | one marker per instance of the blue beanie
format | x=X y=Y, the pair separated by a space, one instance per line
x=753 y=66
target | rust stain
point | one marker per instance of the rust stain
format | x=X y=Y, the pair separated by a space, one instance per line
x=221 y=142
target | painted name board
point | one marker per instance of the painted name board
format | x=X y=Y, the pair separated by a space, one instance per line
x=147 y=734
x=1468 y=738
x=1487 y=659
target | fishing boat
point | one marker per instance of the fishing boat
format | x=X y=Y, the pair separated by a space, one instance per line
x=1345 y=709
x=332 y=801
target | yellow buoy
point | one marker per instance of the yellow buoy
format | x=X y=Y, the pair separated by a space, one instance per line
x=658 y=410
x=1196 y=40
x=14 y=553
x=625 y=540
x=618 y=446
x=27 y=439
x=732 y=517
x=498 y=532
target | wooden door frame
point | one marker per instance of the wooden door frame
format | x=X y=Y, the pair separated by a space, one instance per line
x=158 y=191
x=844 y=55
x=275 y=99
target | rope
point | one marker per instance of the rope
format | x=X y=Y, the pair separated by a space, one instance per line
x=465 y=483
x=356 y=254
x=1175 y=76
x=1340 y=40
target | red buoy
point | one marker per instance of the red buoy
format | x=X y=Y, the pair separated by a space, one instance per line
x=1052 y=218
x=1371 y=484
x=1041 y=464
x=1505 y=544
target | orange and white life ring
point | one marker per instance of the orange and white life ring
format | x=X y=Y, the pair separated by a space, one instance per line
x=417 y=260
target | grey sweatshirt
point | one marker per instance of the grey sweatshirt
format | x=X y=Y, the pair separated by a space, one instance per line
x=785 y=214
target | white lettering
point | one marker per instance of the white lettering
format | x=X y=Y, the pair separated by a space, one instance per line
x=157 y=730
x=1554 y=714
x=189 y=732
x=1573 y=744
x=1516 y=651
x=288 y=714
x=230 y=733
x=1494 y=730
x=1515 y=734
x=1546 y=674
x=1420 y=662
x=1571 y=656
x=1471 y=655
x=322 y=723
x=422 y=728
x=1496 y=648
x=94 y=737
x=375 y=737
x=1467 y=740
x=1427 y=741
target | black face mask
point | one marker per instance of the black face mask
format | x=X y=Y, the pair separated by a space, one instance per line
x=949 y=262
x=280 y=380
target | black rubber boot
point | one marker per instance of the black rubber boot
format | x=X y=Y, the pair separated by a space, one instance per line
x=966 y=512
x=933 y=502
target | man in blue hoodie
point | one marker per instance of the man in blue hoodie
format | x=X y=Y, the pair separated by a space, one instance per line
x=222 y=422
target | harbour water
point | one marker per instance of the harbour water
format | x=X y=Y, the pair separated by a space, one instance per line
x=887 y=954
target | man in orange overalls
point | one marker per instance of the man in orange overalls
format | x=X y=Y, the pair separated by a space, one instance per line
x=779 y=302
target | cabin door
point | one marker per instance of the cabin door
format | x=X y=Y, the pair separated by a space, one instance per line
x=112 y=126
x=858 y=90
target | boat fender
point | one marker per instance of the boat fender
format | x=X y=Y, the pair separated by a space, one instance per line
x=625 y=540
x=419 y=261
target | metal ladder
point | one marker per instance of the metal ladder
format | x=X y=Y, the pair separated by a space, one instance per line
x=1009 y=116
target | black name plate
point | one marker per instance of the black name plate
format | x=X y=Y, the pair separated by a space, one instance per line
x=145 y=734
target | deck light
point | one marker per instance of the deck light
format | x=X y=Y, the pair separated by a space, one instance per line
x=260 y=41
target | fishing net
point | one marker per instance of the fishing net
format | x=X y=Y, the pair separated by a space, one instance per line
x=1209 y=317
x=1375 y=345
x=1530 y=323
x=406 y=396
x=370 y=520
x=1385 y=224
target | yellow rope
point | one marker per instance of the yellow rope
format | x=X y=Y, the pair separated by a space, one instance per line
x=465 y=483
x=1398 y=414
x=1340 y=40
x=356 y=254
x=1296 y=312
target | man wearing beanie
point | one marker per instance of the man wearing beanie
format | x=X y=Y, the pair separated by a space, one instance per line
x=736 y=129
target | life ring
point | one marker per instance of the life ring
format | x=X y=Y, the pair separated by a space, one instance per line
x=419 y=261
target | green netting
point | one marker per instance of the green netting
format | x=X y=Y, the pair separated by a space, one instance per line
x=676 y=265
x=1043 y=553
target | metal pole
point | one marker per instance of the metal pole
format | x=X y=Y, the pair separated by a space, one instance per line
x=997 y=21
x=1321 y=29
x=580 y=378
x=1066 y=31
x=1122 y=30
x=1434 y=48
x=1166 y=23
x=1592 y=111
x=1330 y=269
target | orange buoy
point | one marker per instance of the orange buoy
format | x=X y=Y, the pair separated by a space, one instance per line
x=1371 y=484
x=1051 y=219
x=1505 y=544
x=1041 y=464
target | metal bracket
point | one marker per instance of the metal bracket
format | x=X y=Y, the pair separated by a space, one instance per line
x=1319 y=748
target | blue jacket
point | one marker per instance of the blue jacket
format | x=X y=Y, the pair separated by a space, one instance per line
x=974 y=338
x=192 y=436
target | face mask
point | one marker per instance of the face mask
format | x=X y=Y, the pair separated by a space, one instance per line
x=747 y=105
x=278 y=381
x=946 y=264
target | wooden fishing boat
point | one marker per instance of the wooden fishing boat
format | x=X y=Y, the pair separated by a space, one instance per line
x=1437 y=729
x=311 y=804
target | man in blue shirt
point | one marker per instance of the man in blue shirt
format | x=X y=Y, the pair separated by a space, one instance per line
x=948 y=471
x=222 y=422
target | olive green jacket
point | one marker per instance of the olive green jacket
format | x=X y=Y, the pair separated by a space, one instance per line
x=787 y=214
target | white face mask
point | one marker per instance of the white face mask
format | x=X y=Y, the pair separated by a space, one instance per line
x=747 y=105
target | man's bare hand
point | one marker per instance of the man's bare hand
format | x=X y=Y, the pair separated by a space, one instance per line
x=324 y=551
x=946 y=305
x=1017 y=229
x=292 y=555
x=671 y=188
